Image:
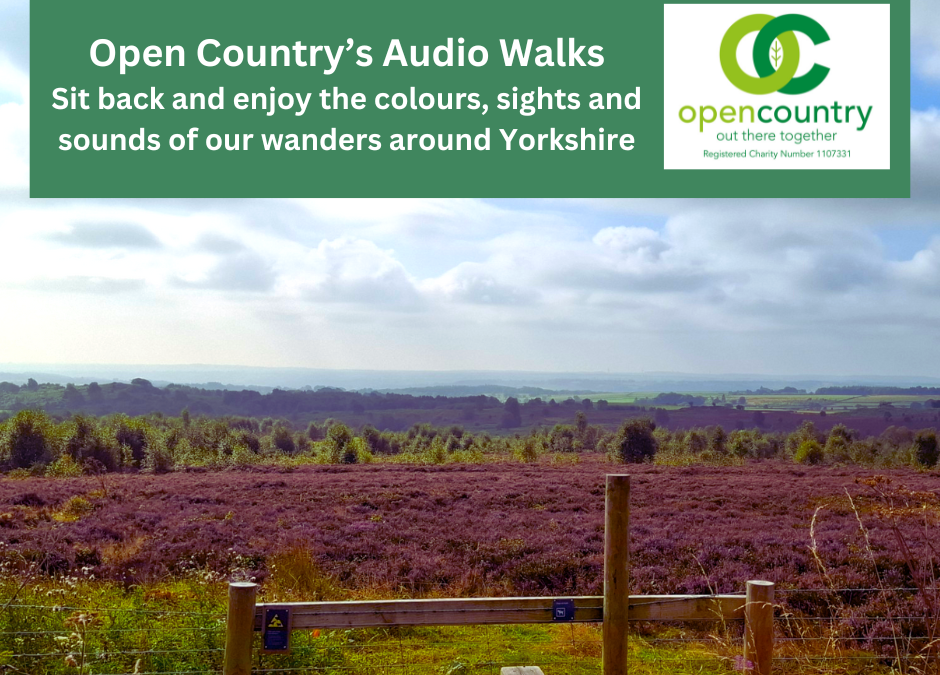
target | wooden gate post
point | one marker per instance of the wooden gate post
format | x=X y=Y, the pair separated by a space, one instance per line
x=239 y=630
x=616 y=573
x=759 y=626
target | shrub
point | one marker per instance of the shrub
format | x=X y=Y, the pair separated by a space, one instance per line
x=86 y=443
x=74 y=509
x=695 y=442
x=527 y=449
x=925 y=449
x=839 y=444
x=340 y=434
x=806 y=432
x=809 y=452
x=717 y=440
x=242 y=456
x=635 y=441
x=437 y=453
x=64 y=467
x=562 y=438
x=284 y=440
x=378 y=444
x=159 y=458
x=315 y=432
x=28 y=439
x=360 y=451
x=349 y=454
x=740 y=444
x=131 y=434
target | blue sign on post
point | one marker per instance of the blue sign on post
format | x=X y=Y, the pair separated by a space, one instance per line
x=276 y=630
x=563 y=610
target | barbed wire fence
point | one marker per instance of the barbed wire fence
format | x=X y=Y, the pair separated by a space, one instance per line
x=844 y=639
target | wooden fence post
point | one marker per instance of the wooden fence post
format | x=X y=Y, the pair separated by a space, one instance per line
x=616 y=574
x=759 y=626
x=239 y=630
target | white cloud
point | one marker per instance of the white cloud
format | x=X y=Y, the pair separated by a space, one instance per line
x=354 y=271
x=697 y=285
x=925 y=155
x=477 y=284
x=925 y=37
x=14 y=126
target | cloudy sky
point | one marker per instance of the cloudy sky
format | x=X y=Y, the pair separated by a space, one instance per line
x=842 y=287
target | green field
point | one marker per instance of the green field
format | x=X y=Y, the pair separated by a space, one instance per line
x=788 y=402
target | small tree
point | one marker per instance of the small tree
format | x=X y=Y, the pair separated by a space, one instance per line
x=131 y=434
x=809 y=452
x=86 y=443
x=839 y=443
x=581 y=424
x=527 y=449
x=28 y=439
x=284 y=440
x=717 y=440
x=315 y=432
x=635 y=442
x=695 y=442
x=925 y=449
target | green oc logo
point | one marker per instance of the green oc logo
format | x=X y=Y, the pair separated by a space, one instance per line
x=770 y=30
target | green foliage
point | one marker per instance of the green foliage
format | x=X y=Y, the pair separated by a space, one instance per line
x=635 y=441
x=695 y=442
x=925 y=449
x=87 y=443
x=839 y=444
x=562 y=438
x=28 y=438
x=340 y=434
x=64 y=467
x=159 y=457
x=810 y=452
x=717 y=439
x=528 y=449
x=739 y=444
x=437 y=452
x=31 y=440
x=131 y=434
x=284 y=440
x=360 y=451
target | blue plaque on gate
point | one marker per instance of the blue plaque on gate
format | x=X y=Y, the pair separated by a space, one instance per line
x=276 y=630
x=563 y=610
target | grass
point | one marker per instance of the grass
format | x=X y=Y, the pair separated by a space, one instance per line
x=83 y=627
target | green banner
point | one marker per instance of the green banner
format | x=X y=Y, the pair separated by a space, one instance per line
x=486 y=99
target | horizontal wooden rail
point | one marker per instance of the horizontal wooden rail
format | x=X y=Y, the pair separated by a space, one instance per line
x=469 y=611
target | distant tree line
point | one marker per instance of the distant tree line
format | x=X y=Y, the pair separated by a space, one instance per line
x=33 y=443
x=141 y=396
x=764 y=391
x=673 y=399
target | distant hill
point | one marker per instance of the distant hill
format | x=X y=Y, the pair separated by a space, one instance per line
x=501 y=391
x=267 y=379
